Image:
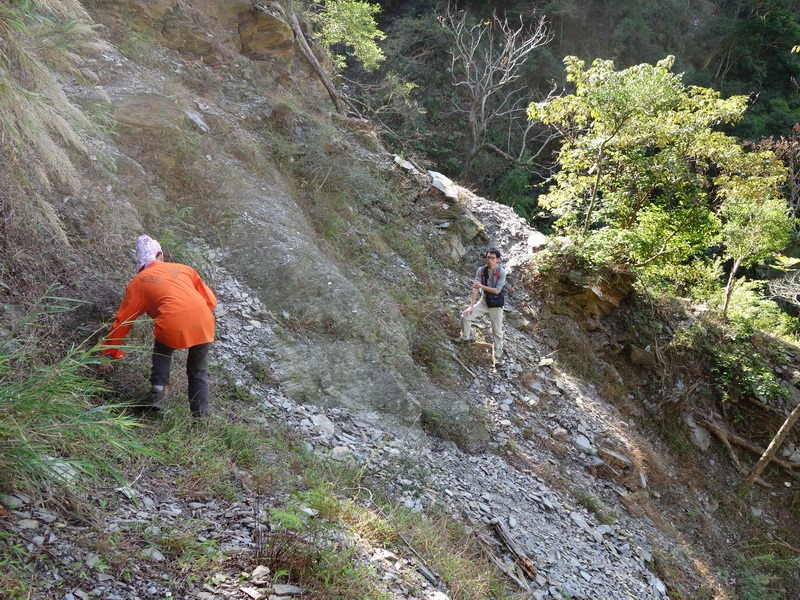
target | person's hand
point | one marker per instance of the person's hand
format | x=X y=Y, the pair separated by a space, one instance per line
x=467 y=311
x=476 y=285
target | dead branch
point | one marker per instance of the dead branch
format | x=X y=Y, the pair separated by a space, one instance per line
x=728 y=437
x=499 y=563
x=787 y=288
x=520 y=557
x=487 y=58
x=772 y=449
x=787 y=545
x=338 y=99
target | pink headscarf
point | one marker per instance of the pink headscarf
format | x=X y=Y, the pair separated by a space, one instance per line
x=146 y=251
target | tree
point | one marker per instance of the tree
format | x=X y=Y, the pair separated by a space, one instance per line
x=487 y=61
x=645 y=177
x=756 y=224
x=347 y=22
x=350 y=23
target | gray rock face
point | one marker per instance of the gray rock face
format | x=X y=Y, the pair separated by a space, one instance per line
x=341 y=343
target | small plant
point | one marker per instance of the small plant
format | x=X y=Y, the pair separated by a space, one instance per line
x=596 y=506
x=14 y=574
x=308 y=545
x=760 y=570
x=744 y=373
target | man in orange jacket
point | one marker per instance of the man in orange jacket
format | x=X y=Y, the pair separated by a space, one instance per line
x=182 y=308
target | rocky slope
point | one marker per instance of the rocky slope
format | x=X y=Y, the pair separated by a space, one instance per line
x=546 y=439
x=222 y=132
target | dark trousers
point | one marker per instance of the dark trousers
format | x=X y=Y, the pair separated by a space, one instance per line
x=196 y=372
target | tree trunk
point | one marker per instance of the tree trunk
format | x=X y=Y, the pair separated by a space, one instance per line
x=769 y=453
x=729 y=287
x=312 y=59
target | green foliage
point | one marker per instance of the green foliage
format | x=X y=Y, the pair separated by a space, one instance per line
x=51 y=425
x=748 y=308
x=306 y=545
x=742 y=373
x=513 y=189
x=420 y=122
x=760 y=569
x=644 y=179
x=698 y=278
x=756 y=223
x=735 y=47
x=13 y=573
x=351 y=23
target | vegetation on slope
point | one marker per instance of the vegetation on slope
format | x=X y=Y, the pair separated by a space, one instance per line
x=738 y=350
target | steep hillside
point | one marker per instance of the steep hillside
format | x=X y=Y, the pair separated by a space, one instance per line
x=341 y=271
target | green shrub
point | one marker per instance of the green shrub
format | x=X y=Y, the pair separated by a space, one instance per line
x=51 y=426
x=749 y=308
x=513 y=189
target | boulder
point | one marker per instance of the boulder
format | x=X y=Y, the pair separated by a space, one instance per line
x=517 y=320
x=641 y=356
x=182 y=34
x=699 y=436
x=614 y=458
x=266 y=36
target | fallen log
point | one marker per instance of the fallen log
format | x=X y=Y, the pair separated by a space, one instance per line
x=727 y=437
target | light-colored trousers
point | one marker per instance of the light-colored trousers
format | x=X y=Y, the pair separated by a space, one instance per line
x=495 y=316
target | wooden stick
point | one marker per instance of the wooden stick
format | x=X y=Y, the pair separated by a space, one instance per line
x=458 y=360
x=518 y=553
x=490 y=551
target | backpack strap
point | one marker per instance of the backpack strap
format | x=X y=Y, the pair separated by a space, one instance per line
x=485 y=275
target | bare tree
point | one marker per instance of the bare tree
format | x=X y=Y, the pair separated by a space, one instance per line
x=787 y=288
x=487 y=61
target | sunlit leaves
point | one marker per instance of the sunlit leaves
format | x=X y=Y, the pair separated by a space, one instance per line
x=351 y=23
x=645 y=177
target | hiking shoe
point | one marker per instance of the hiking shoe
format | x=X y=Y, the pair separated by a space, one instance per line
x=460 y=340
x=155 y=399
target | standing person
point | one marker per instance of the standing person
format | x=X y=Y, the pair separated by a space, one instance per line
x=489 y=282
x=182 y=308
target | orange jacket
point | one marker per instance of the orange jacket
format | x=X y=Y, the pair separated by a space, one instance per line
x=175 y=297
